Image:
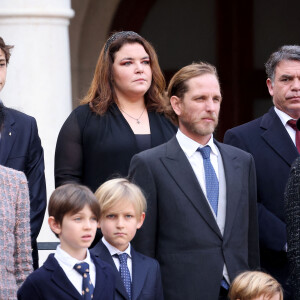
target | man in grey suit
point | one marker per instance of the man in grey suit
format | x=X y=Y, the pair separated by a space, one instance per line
x=201 y=221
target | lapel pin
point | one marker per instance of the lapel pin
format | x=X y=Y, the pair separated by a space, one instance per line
x=9 y=133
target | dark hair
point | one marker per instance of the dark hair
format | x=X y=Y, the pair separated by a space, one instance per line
x=101 y=92
x=288 y=52
x=178 y=87
x=70 y=199
x=6 y=49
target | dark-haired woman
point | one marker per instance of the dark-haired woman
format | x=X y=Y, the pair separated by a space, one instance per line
x=121 y=115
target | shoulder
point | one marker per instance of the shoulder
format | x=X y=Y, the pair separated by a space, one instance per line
x=153 y=153
x=147 y=263
x=247 y=127
x=233 y=151
x=18 y=115
x=100 y=264
x=6 y=172
x=45 y=271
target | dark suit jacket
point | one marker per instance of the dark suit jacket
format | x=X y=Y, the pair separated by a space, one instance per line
x=50 y=282
x=274 y=152
x=20 y=149
x=180 y=229
x=146 y=278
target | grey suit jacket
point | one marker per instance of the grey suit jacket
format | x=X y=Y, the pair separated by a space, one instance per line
x=180 y=229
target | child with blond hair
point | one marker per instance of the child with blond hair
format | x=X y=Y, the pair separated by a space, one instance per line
x=255 y=285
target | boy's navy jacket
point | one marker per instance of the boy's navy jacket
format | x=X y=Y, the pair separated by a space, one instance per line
x=146 y=277
x=51 y=283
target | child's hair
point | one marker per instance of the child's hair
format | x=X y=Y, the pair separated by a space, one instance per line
x=253 y=284
x=119 y=190
x=70 y=199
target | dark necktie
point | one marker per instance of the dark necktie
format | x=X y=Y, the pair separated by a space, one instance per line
x=292 y=123
x=87 y=286
x=211 y=180
x=124 y=272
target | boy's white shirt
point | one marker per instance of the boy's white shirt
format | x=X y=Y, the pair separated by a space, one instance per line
x=113 y=251
x=67 y=262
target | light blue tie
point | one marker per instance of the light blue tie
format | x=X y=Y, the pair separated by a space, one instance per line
x=211 y=180
x=124 y=272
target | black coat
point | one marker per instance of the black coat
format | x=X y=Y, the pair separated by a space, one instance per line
x=91 y=149
x=274 y=152
x=21 y=149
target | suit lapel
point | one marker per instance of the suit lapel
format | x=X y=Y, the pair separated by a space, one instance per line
x=181 y=171
x=8 y=136
x=232 y=170
x=102 y=252
x=277 y=138
x=138 y=274
x=59 y=277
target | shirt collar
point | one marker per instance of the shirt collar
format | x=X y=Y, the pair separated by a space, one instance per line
x=113 y=250
x=190 y=146
x=284 y=118
x=69 y=261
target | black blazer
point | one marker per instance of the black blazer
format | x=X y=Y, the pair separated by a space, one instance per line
x=180 y=229
x=51 y=283
x=273 y=152
x=20 y=149
x=146 y=278
x=91 y=148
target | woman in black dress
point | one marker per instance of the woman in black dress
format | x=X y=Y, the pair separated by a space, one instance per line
x=121 y=115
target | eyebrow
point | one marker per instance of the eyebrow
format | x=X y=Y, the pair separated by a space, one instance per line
x=131 y=58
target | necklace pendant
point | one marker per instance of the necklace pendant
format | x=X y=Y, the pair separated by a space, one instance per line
x=138 y=121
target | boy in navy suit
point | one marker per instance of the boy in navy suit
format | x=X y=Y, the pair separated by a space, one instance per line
x=72 y=272
x=123 y=206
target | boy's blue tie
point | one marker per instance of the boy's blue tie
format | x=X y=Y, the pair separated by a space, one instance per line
x=124 y=272
x=87 y=286
x=211 y=180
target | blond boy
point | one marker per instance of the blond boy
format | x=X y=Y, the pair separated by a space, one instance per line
x=123 y=207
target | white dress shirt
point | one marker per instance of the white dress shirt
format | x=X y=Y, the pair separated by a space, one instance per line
x=113 y=251
x=67 y=263
x=284 y=118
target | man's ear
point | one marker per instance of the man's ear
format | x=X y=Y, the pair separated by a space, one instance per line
x=270 y=86
x=55 y=226
x=176 y=104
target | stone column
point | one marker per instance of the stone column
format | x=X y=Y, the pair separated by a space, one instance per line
x=38 y=79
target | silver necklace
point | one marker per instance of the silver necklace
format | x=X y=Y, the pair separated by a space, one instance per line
x=137 y=119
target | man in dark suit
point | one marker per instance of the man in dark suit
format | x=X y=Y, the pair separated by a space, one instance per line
x=272 y=142
x=20 y=149
x=201 y=223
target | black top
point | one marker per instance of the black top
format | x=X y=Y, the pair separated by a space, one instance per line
x=143 y=141
x=91 y=149
x=292 y=217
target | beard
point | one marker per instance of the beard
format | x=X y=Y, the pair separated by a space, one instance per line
x=196 y=126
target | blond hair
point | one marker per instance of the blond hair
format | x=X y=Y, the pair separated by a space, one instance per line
x=117 y=190
x=253 y=284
